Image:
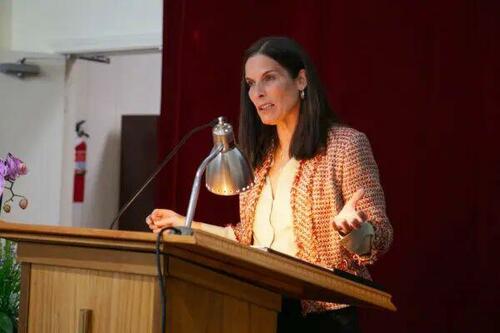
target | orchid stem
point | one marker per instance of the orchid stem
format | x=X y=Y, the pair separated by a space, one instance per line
x=12 y=194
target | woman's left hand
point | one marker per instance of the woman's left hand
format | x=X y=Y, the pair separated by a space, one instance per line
x=348 y=218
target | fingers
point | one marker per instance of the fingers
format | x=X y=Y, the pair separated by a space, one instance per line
x=165 y=222
x=355 y=198
x=162 y=224
x=149 y=221
x=348 y=224
x=159 y=224
x=362 y=215
x=356 y=223
x=159 y=214
x=163 y=218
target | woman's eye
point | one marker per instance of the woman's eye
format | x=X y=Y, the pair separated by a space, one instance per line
x=269 y=78
x=250 y=84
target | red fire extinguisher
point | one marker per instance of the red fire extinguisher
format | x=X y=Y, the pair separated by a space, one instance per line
x=80 y=163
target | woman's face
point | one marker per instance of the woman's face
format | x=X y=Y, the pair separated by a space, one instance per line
x=273 y=91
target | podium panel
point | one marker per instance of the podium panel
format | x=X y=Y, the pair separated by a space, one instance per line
x=119 y=292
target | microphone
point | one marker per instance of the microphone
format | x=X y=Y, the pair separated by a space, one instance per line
x=160 y=167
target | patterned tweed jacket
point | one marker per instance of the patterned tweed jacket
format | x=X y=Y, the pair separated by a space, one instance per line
x=320 y=188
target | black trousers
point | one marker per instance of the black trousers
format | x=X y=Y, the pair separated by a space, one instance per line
x=290 y=320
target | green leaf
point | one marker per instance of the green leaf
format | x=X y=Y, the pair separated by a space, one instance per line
x=6 y=325
x=9 y=280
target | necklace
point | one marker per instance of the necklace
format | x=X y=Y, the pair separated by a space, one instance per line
x=282 y=155
x=281 y=158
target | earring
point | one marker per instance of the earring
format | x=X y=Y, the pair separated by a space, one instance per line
x=302 y=94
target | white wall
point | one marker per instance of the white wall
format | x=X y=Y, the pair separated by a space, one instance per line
x=65 y=25
x=101 y=94
x=37 y=117
x=31 y=127
x=5 y=23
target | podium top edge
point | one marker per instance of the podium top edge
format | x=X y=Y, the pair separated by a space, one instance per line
x=8 y=229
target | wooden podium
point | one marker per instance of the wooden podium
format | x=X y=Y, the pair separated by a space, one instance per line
x=93 y=280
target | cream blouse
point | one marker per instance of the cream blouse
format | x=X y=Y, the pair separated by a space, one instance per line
x=273 y=227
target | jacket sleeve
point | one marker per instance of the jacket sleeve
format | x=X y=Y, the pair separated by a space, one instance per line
x=226 y=231
x=360 y=170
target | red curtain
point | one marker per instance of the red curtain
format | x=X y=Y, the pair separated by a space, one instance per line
x=420 y=78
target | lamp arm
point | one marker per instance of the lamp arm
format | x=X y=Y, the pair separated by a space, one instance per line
x=193 y=199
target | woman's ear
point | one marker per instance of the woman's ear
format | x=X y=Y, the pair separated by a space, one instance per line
x=301 y=79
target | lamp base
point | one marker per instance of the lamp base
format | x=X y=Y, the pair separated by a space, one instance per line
x=184 y=231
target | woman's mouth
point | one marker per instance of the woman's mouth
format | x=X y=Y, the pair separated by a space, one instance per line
x=265 y=107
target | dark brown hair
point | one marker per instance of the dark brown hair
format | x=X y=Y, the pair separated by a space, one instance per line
x=315 y=115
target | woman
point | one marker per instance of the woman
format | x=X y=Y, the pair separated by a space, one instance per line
x=317 y=194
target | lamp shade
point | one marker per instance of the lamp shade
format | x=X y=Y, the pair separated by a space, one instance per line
x=229 y=172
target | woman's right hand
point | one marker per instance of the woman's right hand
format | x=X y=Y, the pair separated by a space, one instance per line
x=163 y=218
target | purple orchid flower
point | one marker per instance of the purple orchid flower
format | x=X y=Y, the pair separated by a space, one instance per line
x=15 y=167
x=3 y=172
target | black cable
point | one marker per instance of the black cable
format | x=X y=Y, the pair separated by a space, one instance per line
x=160 y=167
x=161 y=281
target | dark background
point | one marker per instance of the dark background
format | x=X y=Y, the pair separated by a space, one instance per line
x=420 y=78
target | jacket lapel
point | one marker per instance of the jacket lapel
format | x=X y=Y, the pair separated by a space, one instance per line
x=302 y=210
x=248 y=200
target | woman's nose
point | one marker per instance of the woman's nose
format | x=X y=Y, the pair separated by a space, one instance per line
x=259 y=90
